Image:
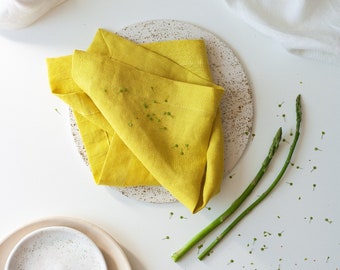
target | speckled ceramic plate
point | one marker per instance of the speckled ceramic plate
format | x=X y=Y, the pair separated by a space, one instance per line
x=56 y=247
x=114 y=255
x=227 y=71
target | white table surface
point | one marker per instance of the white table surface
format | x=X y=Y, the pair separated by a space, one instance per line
x=42 y=174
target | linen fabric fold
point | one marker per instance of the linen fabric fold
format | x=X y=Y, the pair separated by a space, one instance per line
x=148 y=114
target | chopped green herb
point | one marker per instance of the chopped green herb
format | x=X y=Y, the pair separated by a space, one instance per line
x=166 y=237
x=285 y=141
x=231 y=261
x=56 y=110
x=280 y=234
x=328 y=220
x=313 y=169
x=123 y=90
x=265 y=234
x=264 y=247
x=199 y=247
x=317 y=149
x=231 y=176
x=322 y=134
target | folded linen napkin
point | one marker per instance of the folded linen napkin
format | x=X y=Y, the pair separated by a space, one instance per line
x=306 y=28
x=147 y=114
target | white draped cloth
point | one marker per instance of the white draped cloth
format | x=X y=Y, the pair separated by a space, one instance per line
x=308 y=28
x=16 y=14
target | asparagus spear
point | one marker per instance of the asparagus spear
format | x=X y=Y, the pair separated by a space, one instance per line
x=199 y=236
x=270 y=188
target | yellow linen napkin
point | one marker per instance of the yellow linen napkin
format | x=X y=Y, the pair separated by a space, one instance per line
x=148 y=114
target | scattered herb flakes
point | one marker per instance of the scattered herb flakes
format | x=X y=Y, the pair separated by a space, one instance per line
x=280 y=234
x=265 y=234
x=314 y=186
x=264 y=247
x=313 y=169
x=122 y=90
x=280 y=105
x=310 y=219
x=323 y=133
x=182 y=217
x=231 y=261
x=171 y=215
x=317 y=149
x=168 y=114
x=231 y=175
x=166 y=237
x=328 y=220
x=285 y=140
x=57 y=111
x=208 y=207
x=181 y=148
x=199 y=248
x=327 y=259
x=284 y=116
x=290 y=183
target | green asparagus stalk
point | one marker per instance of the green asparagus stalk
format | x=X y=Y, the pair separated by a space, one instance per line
x=270 y=188
x=199 y=236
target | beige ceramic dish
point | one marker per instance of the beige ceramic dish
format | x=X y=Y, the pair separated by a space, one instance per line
x=114 y=256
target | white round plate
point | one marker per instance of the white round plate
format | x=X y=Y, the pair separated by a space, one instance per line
x=227 y=71
x=113 y=255
x=56 y=247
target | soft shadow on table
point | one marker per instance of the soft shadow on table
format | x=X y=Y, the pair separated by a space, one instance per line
x=134 y=261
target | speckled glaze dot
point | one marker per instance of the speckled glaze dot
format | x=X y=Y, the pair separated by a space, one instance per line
x=227 y=71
